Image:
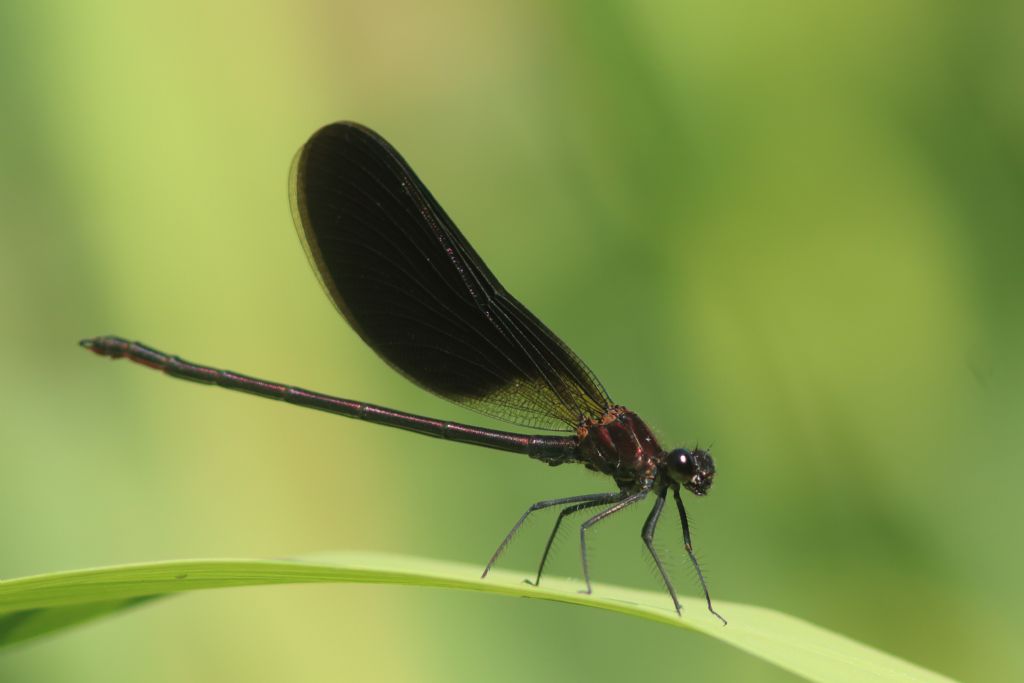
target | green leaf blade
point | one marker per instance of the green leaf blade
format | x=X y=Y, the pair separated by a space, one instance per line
x=38 y=605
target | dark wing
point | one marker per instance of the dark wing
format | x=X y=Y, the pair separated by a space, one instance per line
x=410 y=284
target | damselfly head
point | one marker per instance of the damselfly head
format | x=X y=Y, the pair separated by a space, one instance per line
x=695 y=469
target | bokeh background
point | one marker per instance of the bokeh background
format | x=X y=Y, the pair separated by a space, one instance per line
x=791 y=230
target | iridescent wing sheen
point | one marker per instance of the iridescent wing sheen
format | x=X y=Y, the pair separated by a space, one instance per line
x=413 y=288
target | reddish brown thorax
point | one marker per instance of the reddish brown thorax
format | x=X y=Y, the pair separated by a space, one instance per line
x=620 y=445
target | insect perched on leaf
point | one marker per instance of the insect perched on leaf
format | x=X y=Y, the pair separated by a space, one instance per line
x=412 y=287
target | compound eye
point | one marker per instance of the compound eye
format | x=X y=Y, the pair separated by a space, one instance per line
x=680 y=462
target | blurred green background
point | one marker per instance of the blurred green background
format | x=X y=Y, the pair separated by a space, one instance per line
x=791 y=230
